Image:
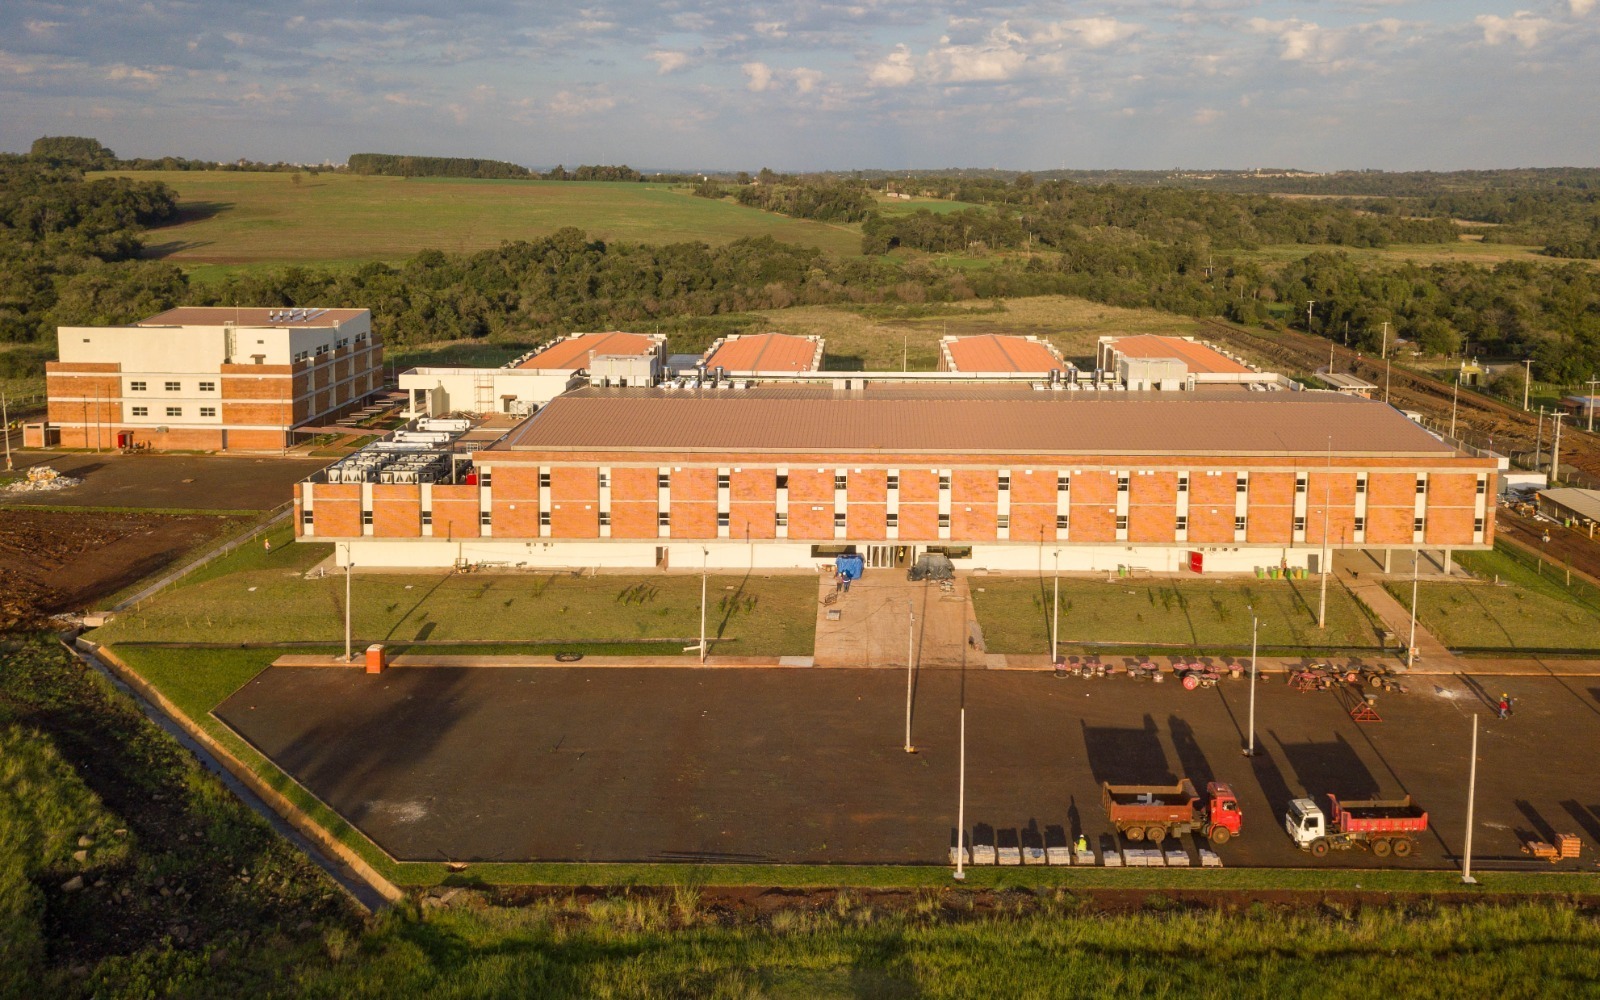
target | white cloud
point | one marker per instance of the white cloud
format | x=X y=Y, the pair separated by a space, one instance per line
x=137 y=75
x=669 y=60
x=567 y=104
x=805 y=80
x=1580 y=8
x=404 y=100
x=895 y=70
x=1522 y=27
x=771 y=29
x=1205 y=116
x=758 y=76
x=1095 y=32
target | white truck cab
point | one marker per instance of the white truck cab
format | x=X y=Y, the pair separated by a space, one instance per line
x=1305 y=821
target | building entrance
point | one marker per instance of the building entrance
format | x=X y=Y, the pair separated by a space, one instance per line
x=889 y=556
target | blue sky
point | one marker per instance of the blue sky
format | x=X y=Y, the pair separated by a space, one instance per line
x=1393 y=84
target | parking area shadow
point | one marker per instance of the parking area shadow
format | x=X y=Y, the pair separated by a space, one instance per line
x=1329 y=766
x=1127 y=756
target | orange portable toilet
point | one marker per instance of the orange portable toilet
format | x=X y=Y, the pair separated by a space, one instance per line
x=377 y=658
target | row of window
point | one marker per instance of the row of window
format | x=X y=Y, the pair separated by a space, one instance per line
x=138 y=385
x=174 y=411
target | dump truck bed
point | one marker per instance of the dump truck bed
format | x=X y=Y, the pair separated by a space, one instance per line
x=1379 y=815
x=1150 y=803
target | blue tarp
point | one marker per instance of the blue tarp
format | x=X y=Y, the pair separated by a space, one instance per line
x=849 y=567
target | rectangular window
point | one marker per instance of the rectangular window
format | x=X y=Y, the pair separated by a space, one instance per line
x=1063 y=484
x=1002 y=521
x=663 y=519
x=1299 y=484
x=1122 y=484
x=141 y=411
x=1299 y=524
x=208 y=387
x=944 y=482
x=484 y=518
x=544 y=519
x=783 y=520
x=308 y=517
x=174 y=411
x=893 y=520
x=944 y=520
x=136 y=387
x=605 y=480
x=485 y=476
x=1422 y=486
x=366 y=517
x=840 y=482
x=723 y=481
x=1477 y=525
x=208 y=411
x=1183 y=484
x=838 y=520
x=1005 y=483
x=1483 y=485
x=1122 y=522
x=172 y=386
x=1061 y=522
x=722 y=519
x=783 y=482
x=427 y=517
x=1242 y=484
x=894 y=482
x=1361 y=524
x=663 y=480
x=1238 y=523
x=1416 y=524
x=1361 y=484
x=605 y=519
x=544 y=480
x=1183 y=522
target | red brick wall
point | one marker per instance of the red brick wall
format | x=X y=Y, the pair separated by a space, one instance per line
x=336 y=510
x=455 y=512
x=396 y=511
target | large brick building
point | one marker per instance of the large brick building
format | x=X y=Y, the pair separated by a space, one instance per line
x=208 y=379
x=996 y=476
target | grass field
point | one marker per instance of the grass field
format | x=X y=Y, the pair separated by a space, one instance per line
x=1199 y=616
x=259 y=598
x=239 y=218
x=1527 y=610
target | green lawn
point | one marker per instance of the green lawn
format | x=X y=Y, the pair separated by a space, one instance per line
x=1197 y=615
x=267 y=601
x=240 y=218
x=1525 y=610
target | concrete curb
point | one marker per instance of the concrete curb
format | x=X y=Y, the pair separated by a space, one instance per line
x=291 y=813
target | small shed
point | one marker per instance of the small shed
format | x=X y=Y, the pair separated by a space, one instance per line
x=1571 y=506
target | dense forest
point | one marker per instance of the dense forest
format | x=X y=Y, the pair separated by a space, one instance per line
x=391 y=165
x=70 y=249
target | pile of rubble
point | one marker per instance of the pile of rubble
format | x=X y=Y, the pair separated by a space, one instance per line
x=43 y=479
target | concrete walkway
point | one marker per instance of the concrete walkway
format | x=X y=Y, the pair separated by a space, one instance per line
x=1368 y=588
x=885 y=618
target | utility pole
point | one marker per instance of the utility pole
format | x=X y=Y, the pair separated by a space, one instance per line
x=1327 y=501
x=1538 y=441
x=1527 y=382
x=1255 y=622
x=1055 y=616
x=961 y=804
x=1411 y=644
x=1555 y=449
x=911 y=660
x=5 y=426
x=1588 y=404
x=1455 y=398
x=1309 y=304
x=1472 y=796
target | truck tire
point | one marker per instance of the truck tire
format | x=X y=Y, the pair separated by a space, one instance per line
x=1219 y=835
x=1134 y=833
x=1155 y=834
x=1381 y=848
x=1403 y=848
x=1319 y=848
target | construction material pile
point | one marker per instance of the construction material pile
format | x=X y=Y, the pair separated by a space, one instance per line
x=43 y=479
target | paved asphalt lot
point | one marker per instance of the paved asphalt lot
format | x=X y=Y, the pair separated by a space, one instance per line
x=795 y=765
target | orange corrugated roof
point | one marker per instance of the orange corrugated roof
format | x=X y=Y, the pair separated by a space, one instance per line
x=1197 y=356
x=765 y=352
x=960 y=420
x=250 y=316
x=573 y=353
x=999 y=353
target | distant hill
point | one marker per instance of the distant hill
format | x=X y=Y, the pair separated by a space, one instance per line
x=391 y=165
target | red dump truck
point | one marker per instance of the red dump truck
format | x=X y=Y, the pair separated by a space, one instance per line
x=1156 y=812
x=1384 y=825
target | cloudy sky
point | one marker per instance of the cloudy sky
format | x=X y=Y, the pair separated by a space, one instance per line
x=725 y=84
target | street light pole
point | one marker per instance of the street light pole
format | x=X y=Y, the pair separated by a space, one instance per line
x=1455 y=398
x=1527 y=382
x=1472 y=795
x=1055 y=616
x=1538 y=440
x=911 y=660
x=349 y=564
x=1411 y=644
x=1327 y=501
x=1385 y=361
x=705 y=558
x=1588 y=404
x=5 y=426
x=1555 y=449
x=961 y=804
x=1255 y=622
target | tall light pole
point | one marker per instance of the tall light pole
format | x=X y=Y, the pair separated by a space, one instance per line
x=911 y=661
x=1455 y=398
x=1472 y=795
x=5 y=426
x=1385 y=361
x=705 y=559
x=1555 y=449
x=1255 y=622
x=1538 y=440
x=1055 y=616
x=1527 y=382
x=1411 y=644
x=1327 y=501
x=349 y=564
x=1588 y=404
x=1309 y=304
x=961 y=804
